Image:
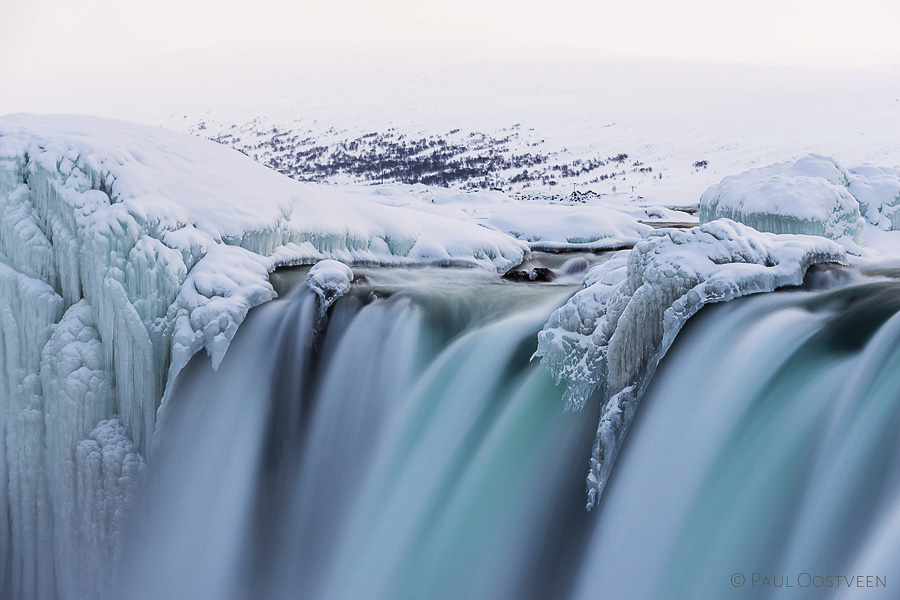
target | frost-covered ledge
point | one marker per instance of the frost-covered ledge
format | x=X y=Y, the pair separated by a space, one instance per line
x=124 y=250
x=611 y=336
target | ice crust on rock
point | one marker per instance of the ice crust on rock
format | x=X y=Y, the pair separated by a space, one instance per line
x=330 y=280
x=610 y=336
x=124 y=250
x=814 y=195
x=544 y=222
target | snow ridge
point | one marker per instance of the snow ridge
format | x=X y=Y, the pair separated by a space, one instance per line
x=610 y=336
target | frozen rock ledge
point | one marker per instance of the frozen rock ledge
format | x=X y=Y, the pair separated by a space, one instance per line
x=610 y=336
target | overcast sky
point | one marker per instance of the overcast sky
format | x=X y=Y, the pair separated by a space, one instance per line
x=37 y=35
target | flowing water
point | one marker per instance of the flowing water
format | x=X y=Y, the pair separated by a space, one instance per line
x=408 y=448
x=767 y=448
x=407 y=443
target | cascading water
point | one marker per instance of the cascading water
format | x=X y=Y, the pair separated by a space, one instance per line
x=765 y=460
x=407 y=448
x=406 y=443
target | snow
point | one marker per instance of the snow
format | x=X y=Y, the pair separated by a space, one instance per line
x=544 y=222
x=878 y=191
x=806 y=196
x=569 y=106
x=814 y=195
x=565 y=228
x=610 y=336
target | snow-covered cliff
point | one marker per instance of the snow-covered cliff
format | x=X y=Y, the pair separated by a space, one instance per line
x=124 y=250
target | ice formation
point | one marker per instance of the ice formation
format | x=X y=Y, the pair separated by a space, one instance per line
x=611 y=335
x=560 y=227
x=878 y=191
x=814 y=195
x=124 y=250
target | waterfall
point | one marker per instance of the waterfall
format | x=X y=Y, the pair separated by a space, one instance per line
x=406 y=443
x=766 y=448
x=406 y=447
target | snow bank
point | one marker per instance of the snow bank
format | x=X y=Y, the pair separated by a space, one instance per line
x=611 y=335
x=560 y=227
x=813 y=195
x=124 y=250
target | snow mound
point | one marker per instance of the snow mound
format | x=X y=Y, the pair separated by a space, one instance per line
x=610 y=336
x=560 y=227
x=813 y=195
x=329 y=280
x=808 y=196
x=124 y=250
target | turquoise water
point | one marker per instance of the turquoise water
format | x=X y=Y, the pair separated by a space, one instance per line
x=407 y=446
x=767 y=448
x=410 y=449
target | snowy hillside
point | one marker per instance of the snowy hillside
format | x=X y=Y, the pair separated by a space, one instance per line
x=655 y=132
x=630 y=131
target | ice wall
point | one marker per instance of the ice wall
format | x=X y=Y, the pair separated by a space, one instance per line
x=124 y=250
x=610 y=336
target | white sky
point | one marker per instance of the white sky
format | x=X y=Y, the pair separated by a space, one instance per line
x=42 y=35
